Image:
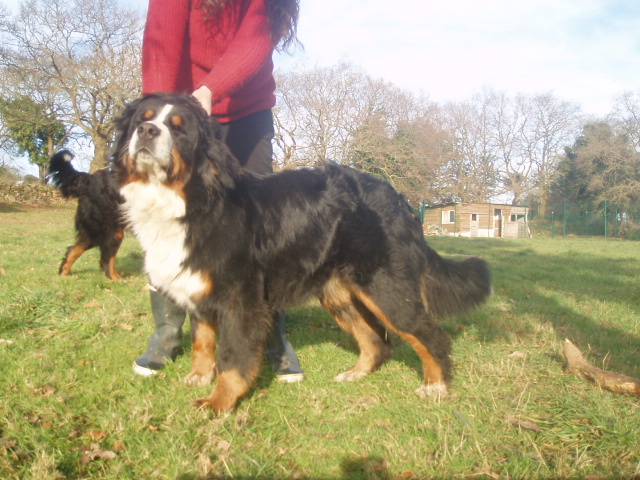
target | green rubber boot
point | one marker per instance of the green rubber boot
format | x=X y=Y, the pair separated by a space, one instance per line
x=166 y=340
x=281 y=354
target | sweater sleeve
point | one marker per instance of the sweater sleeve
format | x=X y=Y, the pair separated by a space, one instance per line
x=163 y=45
x=250 y=48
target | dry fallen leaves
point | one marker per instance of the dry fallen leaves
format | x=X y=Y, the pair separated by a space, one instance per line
x=95 y=453
x=517 y=354
x=527 y=425
x=46 y=391
x=97 y=435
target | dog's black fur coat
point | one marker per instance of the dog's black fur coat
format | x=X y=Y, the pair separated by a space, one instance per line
x=98 y=222
x=270 y=241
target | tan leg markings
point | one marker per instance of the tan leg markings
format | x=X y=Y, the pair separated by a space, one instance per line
x=203 y=360
x=72 y=255
x=434 y=384
x=230 y=387
x=111 y=267
x=338 y=301
x=111 y=270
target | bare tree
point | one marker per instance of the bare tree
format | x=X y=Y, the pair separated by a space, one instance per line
x=81 y=58
x=471 y=151
x=342 y=114
x=550 y=125
x=473 y=162
x=528 y=136
x=626 y=117
x=316 y=112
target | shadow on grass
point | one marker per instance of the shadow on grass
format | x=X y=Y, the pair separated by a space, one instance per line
x=6 y=208
x=128 y=265
x=352 y=468
x=563 y=289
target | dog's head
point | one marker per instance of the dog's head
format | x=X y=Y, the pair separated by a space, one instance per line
x=170 y=139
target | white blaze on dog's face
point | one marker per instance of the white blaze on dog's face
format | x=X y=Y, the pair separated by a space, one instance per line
x=162 y=137
x=151 y=144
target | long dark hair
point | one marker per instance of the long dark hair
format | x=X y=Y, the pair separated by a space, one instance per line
x=283 y=16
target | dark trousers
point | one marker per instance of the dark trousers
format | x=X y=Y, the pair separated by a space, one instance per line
x=249 y=139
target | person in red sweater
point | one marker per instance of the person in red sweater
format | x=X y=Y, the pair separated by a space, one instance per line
x=221 y=52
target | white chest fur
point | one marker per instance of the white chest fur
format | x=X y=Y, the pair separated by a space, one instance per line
x=154 y=213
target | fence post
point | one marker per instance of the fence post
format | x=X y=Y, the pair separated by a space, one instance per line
x=586 y=223
x=455 y=218
x=605 y=220
x=564 y=220
x=552 y=227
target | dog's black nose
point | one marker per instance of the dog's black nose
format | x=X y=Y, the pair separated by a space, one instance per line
x=147 y=131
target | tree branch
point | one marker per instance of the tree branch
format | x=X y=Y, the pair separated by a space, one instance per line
x=609 y=380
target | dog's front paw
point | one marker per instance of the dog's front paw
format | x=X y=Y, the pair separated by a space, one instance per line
x=437 y=391
x=209 y=404
x=350 y=376
x=195 y=379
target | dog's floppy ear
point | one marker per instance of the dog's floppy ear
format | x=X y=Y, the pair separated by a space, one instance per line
x=218 y=168
x=119 y=156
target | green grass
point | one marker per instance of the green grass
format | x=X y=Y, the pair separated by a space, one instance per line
x=72 y=408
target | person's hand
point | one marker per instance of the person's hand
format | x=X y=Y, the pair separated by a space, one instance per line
x=203 y=95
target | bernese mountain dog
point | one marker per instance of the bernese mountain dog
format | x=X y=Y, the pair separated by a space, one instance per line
x=233 y=247
x=98 y=221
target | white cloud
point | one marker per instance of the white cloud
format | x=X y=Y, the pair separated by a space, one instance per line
x=585 y=51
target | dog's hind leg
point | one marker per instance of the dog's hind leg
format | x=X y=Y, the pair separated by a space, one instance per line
x=73 y=253
x=203 y=360
x=353 y=317
x=402 y=312
x=108 y=252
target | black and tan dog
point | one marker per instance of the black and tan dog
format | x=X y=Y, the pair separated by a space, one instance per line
x=233 y=247
x=98 y=221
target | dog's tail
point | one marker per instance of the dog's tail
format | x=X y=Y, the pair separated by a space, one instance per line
x=454 y=287
x=67 y=179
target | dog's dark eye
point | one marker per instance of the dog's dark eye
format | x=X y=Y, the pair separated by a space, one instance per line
x=177 y=122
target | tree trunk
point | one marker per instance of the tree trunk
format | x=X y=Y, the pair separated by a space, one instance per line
x=42 y=172
x=100 y=151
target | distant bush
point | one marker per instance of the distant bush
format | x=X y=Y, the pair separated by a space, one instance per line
x=9 y=174
x=630 y=232
x=31 y=179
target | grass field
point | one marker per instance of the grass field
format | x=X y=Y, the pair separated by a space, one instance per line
x=72 y=408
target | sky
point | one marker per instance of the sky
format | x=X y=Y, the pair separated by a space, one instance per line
x=583 y=51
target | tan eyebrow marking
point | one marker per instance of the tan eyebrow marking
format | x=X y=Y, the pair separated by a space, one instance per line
x=149 y=114
x=177 y=120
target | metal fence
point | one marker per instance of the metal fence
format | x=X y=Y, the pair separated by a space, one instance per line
x=571 y=219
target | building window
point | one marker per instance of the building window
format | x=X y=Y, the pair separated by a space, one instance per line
x=517 y=218
x=448 y=216
x=474 y=217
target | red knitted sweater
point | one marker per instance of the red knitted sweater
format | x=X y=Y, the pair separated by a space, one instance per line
x=230 y=54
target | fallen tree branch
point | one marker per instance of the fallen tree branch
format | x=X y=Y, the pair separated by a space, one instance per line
x=609 y=380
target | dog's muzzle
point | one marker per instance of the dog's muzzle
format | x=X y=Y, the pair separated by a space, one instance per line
x=150 y=148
